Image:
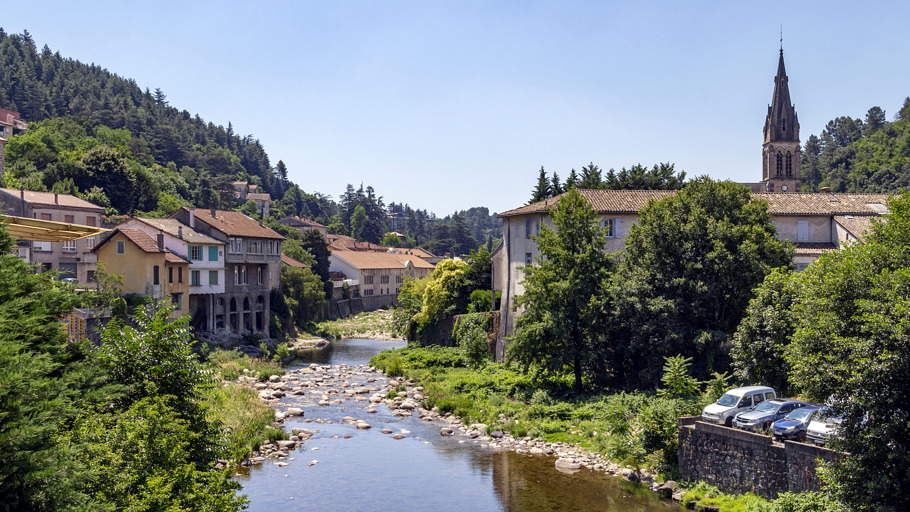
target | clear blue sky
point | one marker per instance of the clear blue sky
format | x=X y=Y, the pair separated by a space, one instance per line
x=449 y=105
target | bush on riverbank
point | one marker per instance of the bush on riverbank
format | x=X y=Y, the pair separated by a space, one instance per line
x=232 y=363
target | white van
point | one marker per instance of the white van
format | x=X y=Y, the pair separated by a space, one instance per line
x=736 y=401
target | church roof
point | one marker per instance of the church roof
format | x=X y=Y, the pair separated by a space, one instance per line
x=632 y=201
x=781 y=124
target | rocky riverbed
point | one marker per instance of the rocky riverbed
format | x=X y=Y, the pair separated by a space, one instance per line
x=303 y=392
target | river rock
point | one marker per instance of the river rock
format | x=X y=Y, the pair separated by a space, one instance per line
x=387 y=431
x=446 y=431
x=398 y=437
x=293 y=411
x=362 y=425
x=567 y=465
x=274 y=378
x=286 y=445
x=629 y=475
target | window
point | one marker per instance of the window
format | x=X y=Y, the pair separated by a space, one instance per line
x=236 y=245
x=213 y=253
x=528 y=259
x=69 y=246
x=45 y=216
x=236 y=274
x=194 y=278
x=213 y=277
x=179 y=274
x=802 y=231
x=367 y=279
x=177 y=299
x=195 y=252
x=537 y=228
x=170 y=274
x=746 y=401
x=41 y=246
x=68 y=219
x=368 y=292
x=259 y=275
x=399 y=279
x=254 y=247
x=759 y=398
x=90 y=242
x=121 y=247
x=609 y=226
x=789 y=164
x=90 y=221
x=383 y=279
x=527 y=228
x=156 y=278
x=244 y=278
x=780 y=163
x=271 y=247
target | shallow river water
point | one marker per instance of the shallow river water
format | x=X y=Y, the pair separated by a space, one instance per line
x=346 y=469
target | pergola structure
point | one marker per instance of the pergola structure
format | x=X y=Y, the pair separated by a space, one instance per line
x=24 y=228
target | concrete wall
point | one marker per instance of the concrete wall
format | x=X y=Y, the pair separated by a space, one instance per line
x=737 y=461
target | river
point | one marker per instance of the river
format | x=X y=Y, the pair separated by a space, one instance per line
x=347 y=469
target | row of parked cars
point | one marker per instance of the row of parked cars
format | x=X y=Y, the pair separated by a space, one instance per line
x=757 y=409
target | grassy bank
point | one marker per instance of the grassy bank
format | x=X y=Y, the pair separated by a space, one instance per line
x=244 y=417
x=638 y=429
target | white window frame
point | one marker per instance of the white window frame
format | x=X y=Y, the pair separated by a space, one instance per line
x=121 y=247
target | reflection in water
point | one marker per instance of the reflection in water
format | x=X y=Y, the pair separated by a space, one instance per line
x=370 y=471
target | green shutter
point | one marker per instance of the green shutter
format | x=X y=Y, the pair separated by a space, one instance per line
x=213 y=253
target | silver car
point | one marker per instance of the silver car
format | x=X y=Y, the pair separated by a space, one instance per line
x=764 y=414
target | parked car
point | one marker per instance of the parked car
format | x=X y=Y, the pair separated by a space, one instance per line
x=764 y=414
x=793 y=425
x=735 y=401
x=823 y=427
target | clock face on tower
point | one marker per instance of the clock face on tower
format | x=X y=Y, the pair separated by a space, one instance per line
x=783 y=187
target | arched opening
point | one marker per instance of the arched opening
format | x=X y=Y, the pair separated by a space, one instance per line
x=780 y=163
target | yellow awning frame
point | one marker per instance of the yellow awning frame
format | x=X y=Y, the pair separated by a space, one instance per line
x=35 y=230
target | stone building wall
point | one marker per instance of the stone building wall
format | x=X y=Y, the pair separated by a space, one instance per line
x=737 y=461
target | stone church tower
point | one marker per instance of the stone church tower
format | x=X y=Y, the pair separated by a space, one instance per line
x=781 y=151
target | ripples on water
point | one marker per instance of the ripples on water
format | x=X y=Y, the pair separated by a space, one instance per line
x=370 y=471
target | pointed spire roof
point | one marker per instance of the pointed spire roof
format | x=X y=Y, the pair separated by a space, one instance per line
x=782 y=123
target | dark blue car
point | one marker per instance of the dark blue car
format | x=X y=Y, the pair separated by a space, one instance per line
x=794 y=424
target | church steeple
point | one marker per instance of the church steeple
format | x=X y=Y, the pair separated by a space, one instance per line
x=781 y=151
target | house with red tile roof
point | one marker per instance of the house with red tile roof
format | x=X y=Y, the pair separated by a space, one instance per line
x=147 y=266
x=379 y=274
x=73 y=259
x=252 y=262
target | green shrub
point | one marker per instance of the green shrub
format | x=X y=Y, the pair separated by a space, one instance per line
x=231 y=371
x=470 y=333
x=275 y=434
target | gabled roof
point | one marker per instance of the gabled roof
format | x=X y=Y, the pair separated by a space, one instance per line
x=364 y=260
x=813 y=248
x=175 y=228
x=858 y=225
x=50 y=199
x=259 y=197
x=633 y=201
x=145 y=242
x=298 y=222
x=291 y=262
x=233 y=223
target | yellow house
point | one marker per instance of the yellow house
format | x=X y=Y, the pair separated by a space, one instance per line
x=147 y=267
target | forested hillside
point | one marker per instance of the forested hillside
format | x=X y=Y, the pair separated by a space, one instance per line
x=102 y=137
x=860 y=155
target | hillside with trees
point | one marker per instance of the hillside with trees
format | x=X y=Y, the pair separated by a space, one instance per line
x=100 y=136
x=860 y=155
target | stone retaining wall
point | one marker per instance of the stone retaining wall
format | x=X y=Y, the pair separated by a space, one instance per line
x=737 y=461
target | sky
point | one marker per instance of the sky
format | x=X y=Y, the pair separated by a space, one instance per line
x=447 y=105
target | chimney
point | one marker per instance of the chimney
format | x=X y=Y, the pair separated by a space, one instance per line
x=55 y=198
x=213 y=214
x=180 y=232
x=160 y=241
x=192 y=218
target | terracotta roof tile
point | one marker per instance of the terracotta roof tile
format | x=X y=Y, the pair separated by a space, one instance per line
x=173 y=258
x=291 y=262
x=48 y=198
x=174 y=227
x=376 y=260
x=858 y=225
x=632 y=201
x=235 y=224
x=142 y=239
x=813 y=248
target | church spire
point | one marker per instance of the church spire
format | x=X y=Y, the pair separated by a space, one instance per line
x=781 y=151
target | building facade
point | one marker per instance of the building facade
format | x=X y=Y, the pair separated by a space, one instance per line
x=73 y=259
x=10 y=125
x=147 y=266
x=205 y=274
x=252 y=258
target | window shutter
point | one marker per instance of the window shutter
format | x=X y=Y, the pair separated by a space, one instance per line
x=618 y=228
